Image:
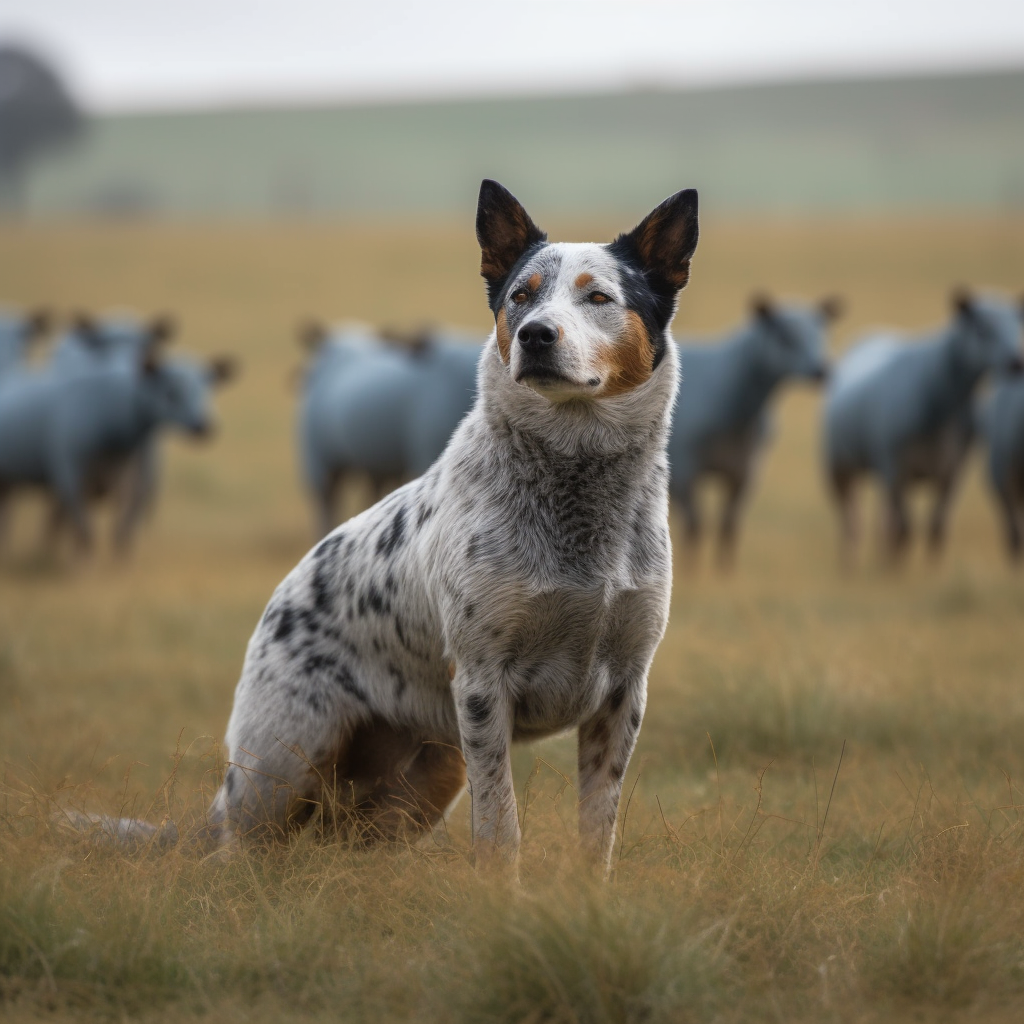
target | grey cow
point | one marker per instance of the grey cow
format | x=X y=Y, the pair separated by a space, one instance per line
x=17 y=332
x=1004 y=427
x=69 y=432
x=121 y=340
x=903 y=413
x=721 y=418
x=379 y=409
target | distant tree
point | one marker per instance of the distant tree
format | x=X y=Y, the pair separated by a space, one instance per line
x=36 y=113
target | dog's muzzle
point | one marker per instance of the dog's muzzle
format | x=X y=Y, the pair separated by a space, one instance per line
x=537 y=347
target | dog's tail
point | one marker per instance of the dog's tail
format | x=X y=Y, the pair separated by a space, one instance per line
x=130 y=834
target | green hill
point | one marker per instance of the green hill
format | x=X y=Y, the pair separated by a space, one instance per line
x=898 y=144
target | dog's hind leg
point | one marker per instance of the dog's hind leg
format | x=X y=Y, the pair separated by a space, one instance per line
x=399 y=784
x=263 y=799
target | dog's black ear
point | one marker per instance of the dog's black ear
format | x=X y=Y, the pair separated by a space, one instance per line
x=505 y=231
x=663 y=243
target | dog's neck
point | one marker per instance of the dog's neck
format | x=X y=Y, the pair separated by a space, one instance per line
x=636 y=422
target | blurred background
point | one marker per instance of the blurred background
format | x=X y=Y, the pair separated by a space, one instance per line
x=234 y=109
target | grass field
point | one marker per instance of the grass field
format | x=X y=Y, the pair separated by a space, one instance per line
x=758 y=878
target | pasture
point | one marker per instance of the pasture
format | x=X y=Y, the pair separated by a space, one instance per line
x=824 y=811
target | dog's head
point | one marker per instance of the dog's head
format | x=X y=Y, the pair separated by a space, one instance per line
x=583 y=320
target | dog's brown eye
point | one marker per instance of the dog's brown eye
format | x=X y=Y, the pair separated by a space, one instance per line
x=520 y=297
x=598 y=298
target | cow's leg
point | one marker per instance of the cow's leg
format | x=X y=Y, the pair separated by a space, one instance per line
x=326 y=501
x=849 y=526
x=1011 y=505
x=897 y=533
x=5 y=514
x=939 y=519
x=735 y=493
x=68 y=487
x=686 y=498
x=134 y=494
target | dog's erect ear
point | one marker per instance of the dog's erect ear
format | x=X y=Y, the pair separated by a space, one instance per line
x=505 y=231
x=223 y=369
x=761 y=306
x=831 y=308
x=663 y=243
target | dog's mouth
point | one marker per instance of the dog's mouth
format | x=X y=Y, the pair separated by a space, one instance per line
x=540 y=375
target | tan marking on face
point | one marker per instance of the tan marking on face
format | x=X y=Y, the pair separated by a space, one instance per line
x=504 y=338
x=630 y=361
x=583 y=280
x=534 y=282
x=561 y=334
x=451 y=671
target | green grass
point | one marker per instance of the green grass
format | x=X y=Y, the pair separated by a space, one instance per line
x=823 y=818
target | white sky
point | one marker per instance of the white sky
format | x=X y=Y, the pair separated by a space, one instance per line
x=143 y=54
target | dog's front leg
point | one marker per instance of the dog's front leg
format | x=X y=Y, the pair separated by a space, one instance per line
x=485 y=725
x=606 y=742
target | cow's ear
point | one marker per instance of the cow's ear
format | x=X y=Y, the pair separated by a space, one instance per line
x=222 y=370
x=86 y=329
x=663 y=243
x=162 y=328
x=150 y=363
x=37 y=323
x=505 y=232
x=761 y=306
x=312 y=334
x=831 y=308
x=962 y=301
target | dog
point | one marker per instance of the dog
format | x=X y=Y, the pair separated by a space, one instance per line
x=517 y=589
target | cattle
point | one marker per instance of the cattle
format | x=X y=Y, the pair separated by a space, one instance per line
x=71 y=430
x=721 y=420
x=1004 y=427
x=371 y=406
x=902 y=412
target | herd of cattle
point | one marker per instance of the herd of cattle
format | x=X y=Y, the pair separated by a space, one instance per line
x=84 y=425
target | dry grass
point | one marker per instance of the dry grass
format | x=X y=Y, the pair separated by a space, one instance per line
x=754 y=881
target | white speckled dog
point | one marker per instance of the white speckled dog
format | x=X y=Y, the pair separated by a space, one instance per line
x=517 y=589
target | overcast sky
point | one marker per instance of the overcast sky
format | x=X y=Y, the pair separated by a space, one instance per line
x=144 y=54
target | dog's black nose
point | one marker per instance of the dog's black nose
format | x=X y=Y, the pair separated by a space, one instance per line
x=537 y=334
